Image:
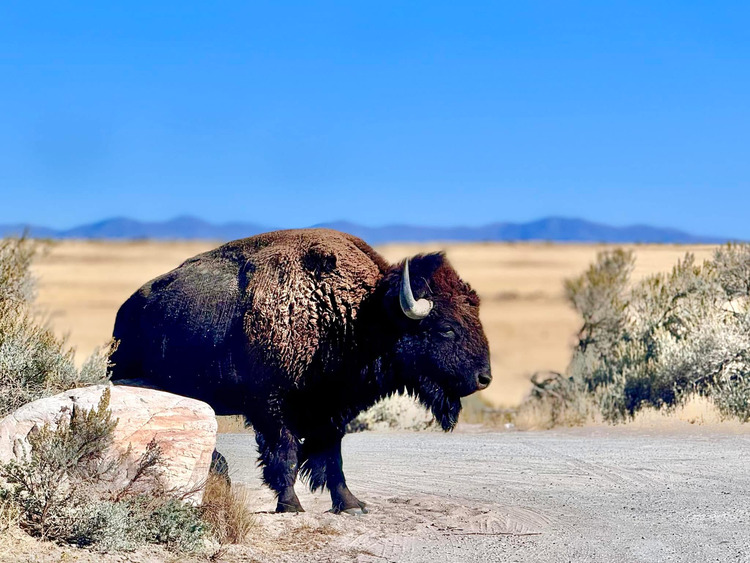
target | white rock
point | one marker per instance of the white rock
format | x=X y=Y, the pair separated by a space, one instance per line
x=185 y=429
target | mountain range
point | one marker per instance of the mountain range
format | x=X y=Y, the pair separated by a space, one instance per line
x=558 y=229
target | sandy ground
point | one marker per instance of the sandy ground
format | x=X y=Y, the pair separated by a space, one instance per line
x=674 y=492
x=527 y=320
x=680 y=494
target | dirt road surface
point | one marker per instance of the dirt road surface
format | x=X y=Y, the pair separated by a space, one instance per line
x=597 y=494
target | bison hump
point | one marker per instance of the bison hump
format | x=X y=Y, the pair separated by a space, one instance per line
x=304 y=301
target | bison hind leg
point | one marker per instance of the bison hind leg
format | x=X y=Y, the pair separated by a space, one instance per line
x=322 y=466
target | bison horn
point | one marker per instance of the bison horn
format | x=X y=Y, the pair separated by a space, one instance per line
x=413 y=309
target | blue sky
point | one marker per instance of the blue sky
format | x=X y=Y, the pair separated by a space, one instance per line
x=435 y=113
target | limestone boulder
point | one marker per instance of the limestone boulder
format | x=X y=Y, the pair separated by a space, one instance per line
x=184 y=429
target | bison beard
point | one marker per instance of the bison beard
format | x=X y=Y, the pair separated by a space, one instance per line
x=445 y=409
x=299 y=331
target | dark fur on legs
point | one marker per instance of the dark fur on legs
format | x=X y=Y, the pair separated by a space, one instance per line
x=278 y=455
x=322 y=466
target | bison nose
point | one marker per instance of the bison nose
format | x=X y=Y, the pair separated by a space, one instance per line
x=483 y=379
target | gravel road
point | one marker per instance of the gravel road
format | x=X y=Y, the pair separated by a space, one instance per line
x=598 y=494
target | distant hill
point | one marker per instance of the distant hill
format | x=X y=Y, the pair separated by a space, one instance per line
x=122 y=228
x=557 y=229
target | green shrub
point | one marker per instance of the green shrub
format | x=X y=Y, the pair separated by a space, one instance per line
x=66 y=490
x=124 y=525
x=62 y=463
x=656 y=342
x=175 y=524
x=105 y=524
x=34 y=363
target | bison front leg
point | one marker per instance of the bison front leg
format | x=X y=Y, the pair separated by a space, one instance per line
x=323 y=466
x=278 y=453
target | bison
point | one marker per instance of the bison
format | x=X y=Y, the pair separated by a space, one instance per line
x=299 y=331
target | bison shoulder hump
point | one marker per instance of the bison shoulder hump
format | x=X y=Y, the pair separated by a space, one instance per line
x=306 y=295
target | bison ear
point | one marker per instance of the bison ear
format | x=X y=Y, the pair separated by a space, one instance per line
x=424 y=266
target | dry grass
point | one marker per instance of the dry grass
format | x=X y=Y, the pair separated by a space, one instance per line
x=225 y=510
x=696 y=410
x=547 y=413
x=544 y=414
x=528 y=322
x=303 y=535
x=10 y=515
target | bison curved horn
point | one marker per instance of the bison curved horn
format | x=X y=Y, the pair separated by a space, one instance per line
x=413 y=309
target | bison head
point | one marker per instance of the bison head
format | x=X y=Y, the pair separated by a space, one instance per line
x=441 y=351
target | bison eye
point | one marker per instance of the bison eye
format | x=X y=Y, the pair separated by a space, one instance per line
x=447 y=332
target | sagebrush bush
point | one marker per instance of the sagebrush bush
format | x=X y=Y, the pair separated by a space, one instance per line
x=175 y=524
x=68 y=488
x=54 y=477
x=34 y=363
x=395 y=412
x=656 y=342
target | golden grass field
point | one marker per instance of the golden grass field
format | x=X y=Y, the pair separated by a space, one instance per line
x=527 y=320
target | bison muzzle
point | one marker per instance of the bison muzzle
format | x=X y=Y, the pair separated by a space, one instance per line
x=299 y=331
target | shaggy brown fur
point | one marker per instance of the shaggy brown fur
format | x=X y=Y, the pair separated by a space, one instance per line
x=307 y=287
